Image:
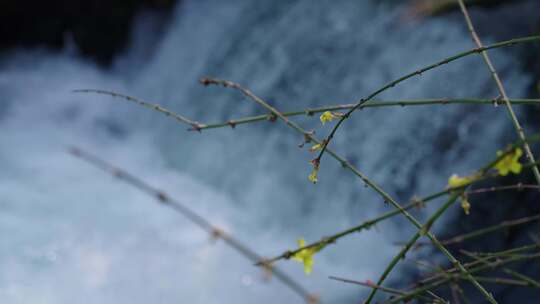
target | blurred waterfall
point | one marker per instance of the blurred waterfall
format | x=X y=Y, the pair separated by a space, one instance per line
x=71 y=234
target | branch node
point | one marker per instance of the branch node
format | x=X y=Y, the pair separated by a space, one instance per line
x=272 y=117
x=162 y=197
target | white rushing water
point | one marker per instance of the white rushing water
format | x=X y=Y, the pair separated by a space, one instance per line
x=72 y=234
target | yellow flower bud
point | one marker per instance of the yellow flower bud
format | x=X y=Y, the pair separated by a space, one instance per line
x=466 y=206
x=313 y=176
x=327 y=116
x=509 y=162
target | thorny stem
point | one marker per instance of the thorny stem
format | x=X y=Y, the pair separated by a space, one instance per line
x=368 y=284
x=207 y=81
x=500 y=87
x=514 y=252
x=483 y=231
x=525 y=280
x=232 y=123
x=373 y=285
x=194 y=125
x=530 y=281
x=195 y=218
x=425 y=287
x=425 y=228
x=415 y=203
x=365 y=179
x=367 y=224
x=368 y=99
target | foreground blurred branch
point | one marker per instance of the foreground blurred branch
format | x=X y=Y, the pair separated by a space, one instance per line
x=195 y=218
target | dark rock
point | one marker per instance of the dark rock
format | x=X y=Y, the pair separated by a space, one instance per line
x=438 y=7
x=99 y=28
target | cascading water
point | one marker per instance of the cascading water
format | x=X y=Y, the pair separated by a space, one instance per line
x=72 y=234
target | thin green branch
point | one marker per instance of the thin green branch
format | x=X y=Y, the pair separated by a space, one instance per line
x=415 y=203
x=514 y=252
x=530 y=281
x=522 y=280
x=348 y=165
x=517 y=187
x=393 y=83
x=369 y=285
x=369 y=223
x=519 y=130
x=195 y=218
x=486 y=230
x=232 y=123
x=423 y=231
x=196 y=126
x=424 y=287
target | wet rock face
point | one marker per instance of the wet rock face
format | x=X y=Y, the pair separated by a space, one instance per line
x=100 y=28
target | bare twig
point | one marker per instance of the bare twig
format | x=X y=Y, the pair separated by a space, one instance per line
x=232 y=123
x=439 y=280
x=368 y=284
x=422 y=229
x=483 y=231
x=393 y=83
x=195 y=218
x=517 y=187
x=522 y=280
x=194 y=125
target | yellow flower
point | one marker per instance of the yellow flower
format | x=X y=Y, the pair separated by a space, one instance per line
x=305 y=256
x=509 y=163
x=455 y=181
x=466 y=205
x=315 y=148
x=327 y=116
x=313 y=176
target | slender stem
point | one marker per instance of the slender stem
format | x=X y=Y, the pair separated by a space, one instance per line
x=517 y=187
x=415 y=203
x=486 y=230
x=393 y=83
x=503 y=281
x=500 y=87
x=530 y=281
x=367 y=224
x=522 y=279
x=195 y=218
x=368 y=284
x=484 y=256
x=414 y=293
x=232 y=123
x=156 y=107
x=365 y=179
x=401 y=255
x=195 y=126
